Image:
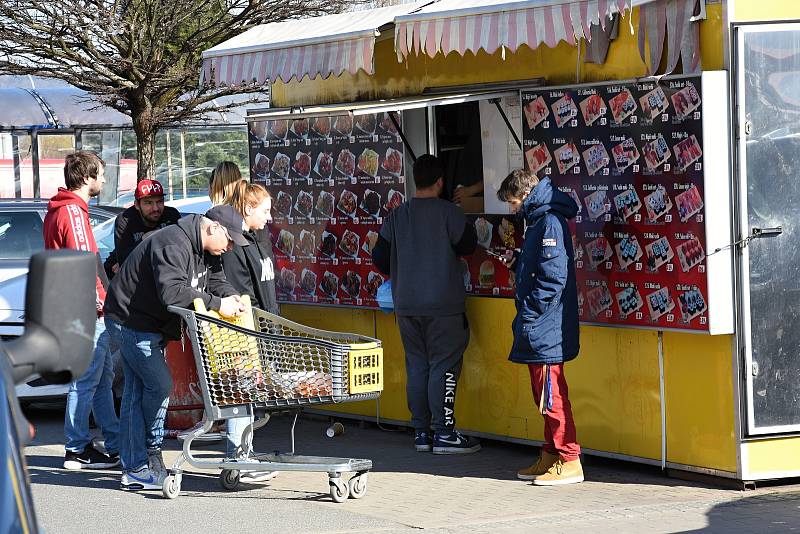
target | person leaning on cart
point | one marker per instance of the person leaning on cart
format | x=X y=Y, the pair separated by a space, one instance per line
x=171 y=268
x=250 y=270
x=418 y=246
x=546 y=325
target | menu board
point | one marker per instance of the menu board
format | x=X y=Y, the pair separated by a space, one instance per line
x=631 y=156
x=485 y=275
x=333 y=179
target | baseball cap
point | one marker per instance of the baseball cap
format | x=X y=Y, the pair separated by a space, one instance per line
x=228 y=217
x=148 y=188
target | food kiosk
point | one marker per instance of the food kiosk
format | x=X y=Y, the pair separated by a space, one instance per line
x=672 y=123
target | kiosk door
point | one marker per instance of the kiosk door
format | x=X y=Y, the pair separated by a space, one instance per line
x=767 y=64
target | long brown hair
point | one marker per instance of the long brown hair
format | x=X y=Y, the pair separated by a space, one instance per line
x=223 y=179
x=244 y=194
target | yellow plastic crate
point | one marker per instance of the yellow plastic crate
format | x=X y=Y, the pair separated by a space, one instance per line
x=365 y=368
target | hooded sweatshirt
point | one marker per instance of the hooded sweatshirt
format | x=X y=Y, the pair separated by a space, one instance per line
x=251 y=270
x=546 y=325
x=168 y=268
x=66 y=225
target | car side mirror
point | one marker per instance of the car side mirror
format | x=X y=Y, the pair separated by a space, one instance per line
x=60 y=317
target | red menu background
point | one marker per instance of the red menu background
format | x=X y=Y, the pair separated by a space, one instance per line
x=631 y=157
x=313 y=263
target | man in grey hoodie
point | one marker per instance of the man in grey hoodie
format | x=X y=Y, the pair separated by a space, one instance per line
x=419 y=246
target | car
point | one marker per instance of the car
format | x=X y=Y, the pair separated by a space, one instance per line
x=54 y=344
x=29 y=240
x=21 y=236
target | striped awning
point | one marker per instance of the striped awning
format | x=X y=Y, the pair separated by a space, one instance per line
x=471 y=25
x=322 y=46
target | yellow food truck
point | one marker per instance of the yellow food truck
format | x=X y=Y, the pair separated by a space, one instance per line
x=674 y=126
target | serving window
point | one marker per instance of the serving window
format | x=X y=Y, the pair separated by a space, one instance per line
x=336 y=172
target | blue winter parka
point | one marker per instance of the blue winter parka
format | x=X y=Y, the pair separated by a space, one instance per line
x=546 y=325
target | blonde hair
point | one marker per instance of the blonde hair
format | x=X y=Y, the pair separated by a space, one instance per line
x=223 y=179
x=244 y=194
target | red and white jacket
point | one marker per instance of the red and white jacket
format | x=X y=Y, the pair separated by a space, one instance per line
x=66 y=225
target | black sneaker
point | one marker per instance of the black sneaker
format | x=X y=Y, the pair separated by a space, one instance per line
x=454 y=442
x=423 y=441
x=90 y=458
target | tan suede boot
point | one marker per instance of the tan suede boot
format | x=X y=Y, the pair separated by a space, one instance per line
x=545 y=462
x=561 y=473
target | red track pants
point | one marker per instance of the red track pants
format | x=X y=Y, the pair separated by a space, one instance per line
x=552 y=396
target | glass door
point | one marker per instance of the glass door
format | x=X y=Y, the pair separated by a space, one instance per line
x=767 y=76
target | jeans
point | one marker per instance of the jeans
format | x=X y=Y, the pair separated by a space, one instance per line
x=146 y=394
x=233 y=434
x=92 y=391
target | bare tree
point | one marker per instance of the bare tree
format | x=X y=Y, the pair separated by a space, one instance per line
x=140 y=57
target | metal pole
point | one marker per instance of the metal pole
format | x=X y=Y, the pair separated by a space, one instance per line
x=496 y=102
x=663 y=400
x=402 y=135
x=169 y=169
x=17 y=166
x=183 y=161
x=35 y=159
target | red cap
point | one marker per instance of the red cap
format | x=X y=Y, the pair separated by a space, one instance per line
x=148 y=188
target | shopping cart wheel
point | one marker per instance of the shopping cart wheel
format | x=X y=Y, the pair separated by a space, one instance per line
x=358 y=485
x=229 y=479
x=339 y=489
x=171 y=487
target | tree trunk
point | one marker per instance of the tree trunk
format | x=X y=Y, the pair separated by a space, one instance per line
x=145 y=145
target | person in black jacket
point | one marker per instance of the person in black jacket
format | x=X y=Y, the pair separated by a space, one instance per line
x=250 y=269
x=147 y=214
x=171 y=268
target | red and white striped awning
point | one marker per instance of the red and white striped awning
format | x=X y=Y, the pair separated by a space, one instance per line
x=322 y=46
x=471 y=25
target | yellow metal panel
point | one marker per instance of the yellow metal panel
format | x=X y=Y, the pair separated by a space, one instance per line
x=749 y=10
x=613 y=383
x=699 y=394
x=557 y=65
x=771 y=457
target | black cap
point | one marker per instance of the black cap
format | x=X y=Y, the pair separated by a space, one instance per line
x=228 y=217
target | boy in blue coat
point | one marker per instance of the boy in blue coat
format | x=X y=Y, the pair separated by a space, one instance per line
x=546 y=325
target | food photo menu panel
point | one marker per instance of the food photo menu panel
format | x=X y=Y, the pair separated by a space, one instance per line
x=333 y=180
x=631 y=156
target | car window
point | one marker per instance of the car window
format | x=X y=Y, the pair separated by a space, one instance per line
x=20 y=234
x=104 y=235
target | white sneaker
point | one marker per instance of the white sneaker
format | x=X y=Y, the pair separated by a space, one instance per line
x=155 y=461
x=142 y=479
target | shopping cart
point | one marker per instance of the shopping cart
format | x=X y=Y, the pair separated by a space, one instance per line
x=263 y=361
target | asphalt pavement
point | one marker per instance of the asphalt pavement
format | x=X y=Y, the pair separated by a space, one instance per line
x=408 y=492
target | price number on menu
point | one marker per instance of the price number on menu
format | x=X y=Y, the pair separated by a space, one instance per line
x=609 y=314
x=609 y=265
x=639 y=266
x=703 y=320
x=639 y=316
x=670 y=318
x=669 y=267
